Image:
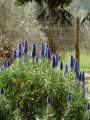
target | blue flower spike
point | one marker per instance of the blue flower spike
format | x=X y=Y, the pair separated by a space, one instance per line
x=80 y=76
x=77 y=75
x=61 y=65
x=45 y=50
x=42 y=50
x=88 y=106
x=20 y=53
x=49 y=99
x=33 y=51
x=72 y=63
x=20 y=50
x=76 y=66
x=69 y=99
x=48 y=53
x=53 y=61
x=66 y=70
x=20 y=46
x=83 y=83
x=25 y=47
x=56 y=58
x=14 y=54
x=1 y=91
x=6 y=63
x=83 y=76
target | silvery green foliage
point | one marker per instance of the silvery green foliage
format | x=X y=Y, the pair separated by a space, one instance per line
x=80 y=8
x=49 y=113
x=20 y=22
x=17 y=115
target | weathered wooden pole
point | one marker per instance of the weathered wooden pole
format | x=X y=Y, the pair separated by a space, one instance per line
x=77 y=42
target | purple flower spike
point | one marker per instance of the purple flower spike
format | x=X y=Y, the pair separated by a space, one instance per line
x=80 y=76
x=66 y=70
x=45 y=50
x=33 y=52
x=83 y=82
x=53 y=61
x=20 y=46
x=42 y=50
x=77 y=75
x=57 y=58
x=76 y=66
x=69 y=98
x=49 y=99
x=1 y=91
x=8 y=63
x=14 y=54
x=72 y=63
x=20 y=53
x=61 y=65
x=48 y=53
x=88 y=106
x=5 y=63
x=83 y=76
x=74 y=60
x=25 y=47
x=20 y=50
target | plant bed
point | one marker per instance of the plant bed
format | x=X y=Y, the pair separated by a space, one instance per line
x=42 y=88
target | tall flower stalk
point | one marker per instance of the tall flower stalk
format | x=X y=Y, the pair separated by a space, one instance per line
x=33 y=51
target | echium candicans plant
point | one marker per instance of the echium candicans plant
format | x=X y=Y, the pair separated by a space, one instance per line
x=33 y=51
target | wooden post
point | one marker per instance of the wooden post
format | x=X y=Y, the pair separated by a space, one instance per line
x=77 y=43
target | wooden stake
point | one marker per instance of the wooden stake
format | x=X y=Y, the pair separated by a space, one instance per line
x=77 y=43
